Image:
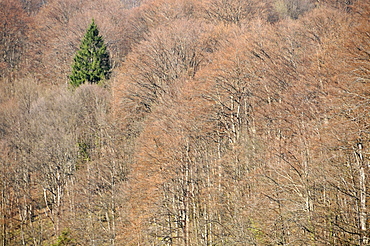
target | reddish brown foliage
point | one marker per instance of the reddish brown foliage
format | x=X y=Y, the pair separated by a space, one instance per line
x=225 y=123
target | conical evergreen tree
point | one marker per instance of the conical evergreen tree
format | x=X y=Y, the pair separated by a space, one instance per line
x=91 y=62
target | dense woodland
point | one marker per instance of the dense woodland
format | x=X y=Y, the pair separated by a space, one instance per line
x=224 y=122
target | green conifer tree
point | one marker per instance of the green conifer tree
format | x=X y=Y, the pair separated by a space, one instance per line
x=91 y=62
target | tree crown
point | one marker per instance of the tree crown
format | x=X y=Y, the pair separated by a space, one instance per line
x=91 y=63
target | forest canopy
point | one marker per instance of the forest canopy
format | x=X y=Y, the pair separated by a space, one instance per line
x=239 y=122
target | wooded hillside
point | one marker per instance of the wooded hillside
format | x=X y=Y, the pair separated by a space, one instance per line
x=222 y=122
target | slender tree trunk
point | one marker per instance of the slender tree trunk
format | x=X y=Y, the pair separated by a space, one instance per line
x=3 y=215
x=364 y=240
